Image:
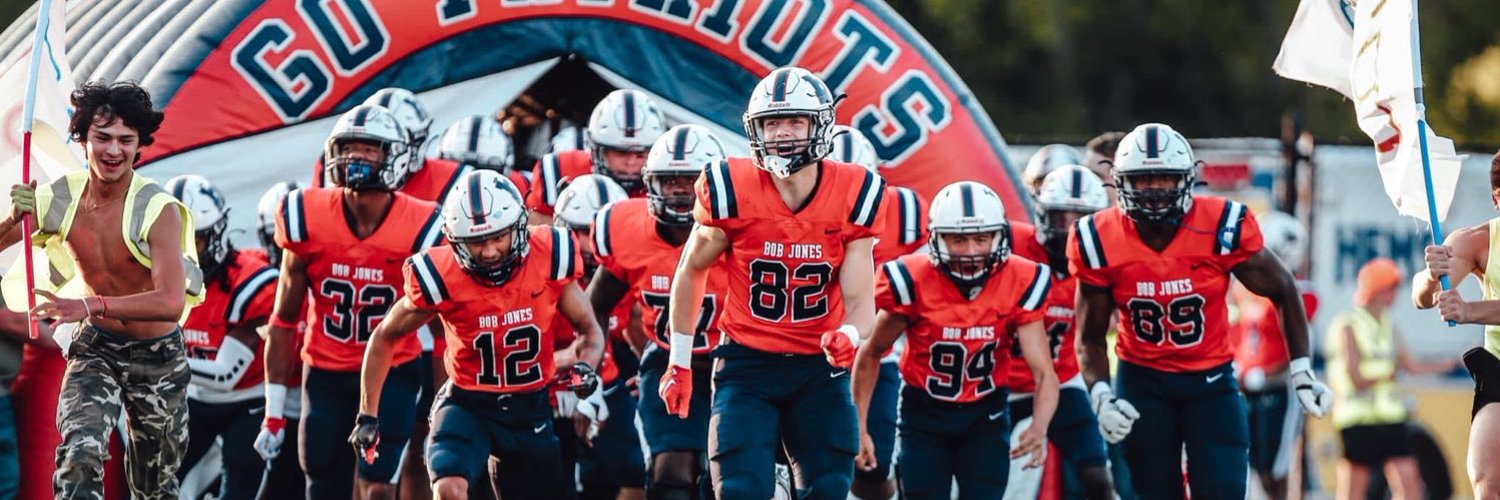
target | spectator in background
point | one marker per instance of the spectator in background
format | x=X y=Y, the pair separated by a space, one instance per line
x=1099 y=156
x=1364 y=354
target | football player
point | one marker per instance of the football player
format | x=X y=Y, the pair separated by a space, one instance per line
x=1260 y=359
x=425 y=178
x=609 y=456
x=351 y=265
x=1067 y=194
x=1163 y=256
x=480 y=141
x=1047 y=159
x=621 y=131
x=796 y=232
x=905 y=232
x=496 y=287
x=960 y=308
x=286 y=478
x=225 y=398
x=639 y=242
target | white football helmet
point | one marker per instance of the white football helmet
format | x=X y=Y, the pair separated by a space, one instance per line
x=479 y=141
x=484 y=205
x=368 y=123
x=582 y=198
x=1069 y=188
x=569 y=138
x=577 y=205
x=1151 y=150
x=410 y=113
x=967 y=207
x=265 y=218
x=1285 y=236
x=684 y=151
x=626 y=120
x=850 y=146
x=1047 y=159
x=210 y=218
x=790 y=91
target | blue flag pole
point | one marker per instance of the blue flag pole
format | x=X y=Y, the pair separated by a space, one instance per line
x=1416 y=70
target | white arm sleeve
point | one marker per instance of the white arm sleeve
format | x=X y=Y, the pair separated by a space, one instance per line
x=225 y=370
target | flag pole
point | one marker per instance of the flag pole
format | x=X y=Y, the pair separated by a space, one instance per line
x=43 y=19
x=1417 y=86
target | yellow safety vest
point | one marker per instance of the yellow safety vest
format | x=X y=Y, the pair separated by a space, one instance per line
x=56 y=205
x=1376 y=342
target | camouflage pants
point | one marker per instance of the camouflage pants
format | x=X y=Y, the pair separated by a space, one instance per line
x=148 y=380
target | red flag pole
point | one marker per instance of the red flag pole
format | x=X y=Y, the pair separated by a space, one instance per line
x=26 y=226
x=43 y=20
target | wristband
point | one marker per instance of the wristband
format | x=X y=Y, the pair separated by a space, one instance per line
x=851 y=332
x=277 y=322
x=86 y=311
x=1302 y=364
x=681 y=352
x=1099 y=390
x=275 y=401
x=103 y=306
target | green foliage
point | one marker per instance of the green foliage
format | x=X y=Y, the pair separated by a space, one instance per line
x=1063 y=70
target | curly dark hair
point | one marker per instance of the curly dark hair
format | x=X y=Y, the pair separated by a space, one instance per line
x=99 y=101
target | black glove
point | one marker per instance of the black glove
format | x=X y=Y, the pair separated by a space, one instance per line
x=366 y=437
x=584 y=381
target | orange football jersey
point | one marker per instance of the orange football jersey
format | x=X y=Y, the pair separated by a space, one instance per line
x=958 y=348
x=905 y=225
x=244 y=292
x=629 y=247
x=497 y=336
x=1057 y=318
x=783 y=265
x=1173 y=313
x=353 y=281
x=431 y=183
x=551 y=173
x=1259 y=343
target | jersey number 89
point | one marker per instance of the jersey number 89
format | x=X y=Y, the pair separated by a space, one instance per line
x=1181 y=320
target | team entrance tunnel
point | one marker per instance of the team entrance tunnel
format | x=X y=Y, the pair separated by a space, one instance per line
x=251 y=88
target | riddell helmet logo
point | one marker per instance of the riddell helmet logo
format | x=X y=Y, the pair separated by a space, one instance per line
x=781 y=104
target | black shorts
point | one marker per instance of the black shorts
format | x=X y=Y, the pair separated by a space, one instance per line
x=1485 y=368
x=1373 y=445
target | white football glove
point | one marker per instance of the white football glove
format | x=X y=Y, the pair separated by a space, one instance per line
x=595 y=409
x=1116 y=416
x=268 y=442
x=567 y=403
x=1315 y=396
x=273 y=428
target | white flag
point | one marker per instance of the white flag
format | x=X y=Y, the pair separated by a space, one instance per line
x=53 y=154
x=1317 y=49
x=1371 y=45
x=1385 y=102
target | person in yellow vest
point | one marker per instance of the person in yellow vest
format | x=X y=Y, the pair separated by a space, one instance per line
x=1468 y=251
x=1364 y=354
x=99 y=230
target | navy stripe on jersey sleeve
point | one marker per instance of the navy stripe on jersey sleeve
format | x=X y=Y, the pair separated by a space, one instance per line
x=902 y=285
x=722 y=203
x=1036 y=292
x=244 y=294
x=1089 y=244
x=429 y=279
x=431 y=232
x=867 y=203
